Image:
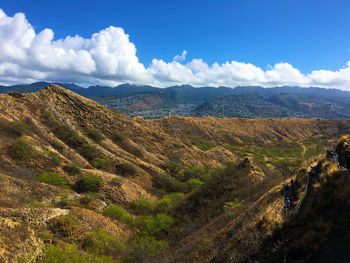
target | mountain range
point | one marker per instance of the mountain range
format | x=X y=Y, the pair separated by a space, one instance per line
x=185 y=100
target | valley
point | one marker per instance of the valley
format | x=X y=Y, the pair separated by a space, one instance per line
x=82 y=182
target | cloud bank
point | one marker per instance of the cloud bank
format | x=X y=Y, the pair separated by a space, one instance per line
x=109 y=58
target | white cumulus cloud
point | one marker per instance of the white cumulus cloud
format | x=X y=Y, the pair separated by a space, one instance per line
x=109 y=58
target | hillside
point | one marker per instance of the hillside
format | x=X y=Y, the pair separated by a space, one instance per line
x=185 y=100
x=105 y=187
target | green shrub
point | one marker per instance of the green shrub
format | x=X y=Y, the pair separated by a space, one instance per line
x=75 y=140
x=127 y=169
x=99 y=163
x=64 y=252
x=167 y=202
x=53 y=179
x=21 y=149
x=172 y=167
x=63 y=132
x=201 y=173
x=118 y=137
x=117 y=212
x=169 y=184
x=89 y=151
x=193 y=184
x=153 y=225
x=99 y=242
x=57 y=145
x=69 y=136
x=95 y=135
x=143 y=205
x=147 y=247
x=17 y=128
x=72 y=168
x=55 y=158
x=88 y=183
x=49 y=119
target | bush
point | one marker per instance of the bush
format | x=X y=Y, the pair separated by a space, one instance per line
x=69 y=136
x=88 y=183
x=17 y=128
x=75 y=140
x=55 y=158
x=169 y=184
x=154 y=225
x=118 y=137
x=53 y=179
x=193 y=184
x=146 y=247
x=72 y=168
x=99 y=163
x=89 y=151
x=95 y=135
x=201 y=173
x=143 y=205
x=63 y=132
x=172 y=167
x=21 y=149
x=64 y=252
x=127 y=169
x=167 y=202
x=117 y=212
x=99 y=242
x=49 y=119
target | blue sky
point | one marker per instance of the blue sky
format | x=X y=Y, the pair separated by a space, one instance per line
x=309 y=35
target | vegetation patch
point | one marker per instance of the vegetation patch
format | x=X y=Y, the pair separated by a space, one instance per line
x=118 y=213
x=119 y=137
x=95 y=135
x=100 y=243
x=99 y=163
x=21 y=149
x=88 y=183
x=127 y=169
x=72 y=168
x=147 y=247
x=55 y=158
x=154 y=225
x=53 y=179
x=117 y=181
x=17 y=128
x=57 y=145
x=203 y=145
x=143 y=206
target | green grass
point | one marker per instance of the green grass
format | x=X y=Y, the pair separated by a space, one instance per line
x=241 y=150
x=203 y=145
